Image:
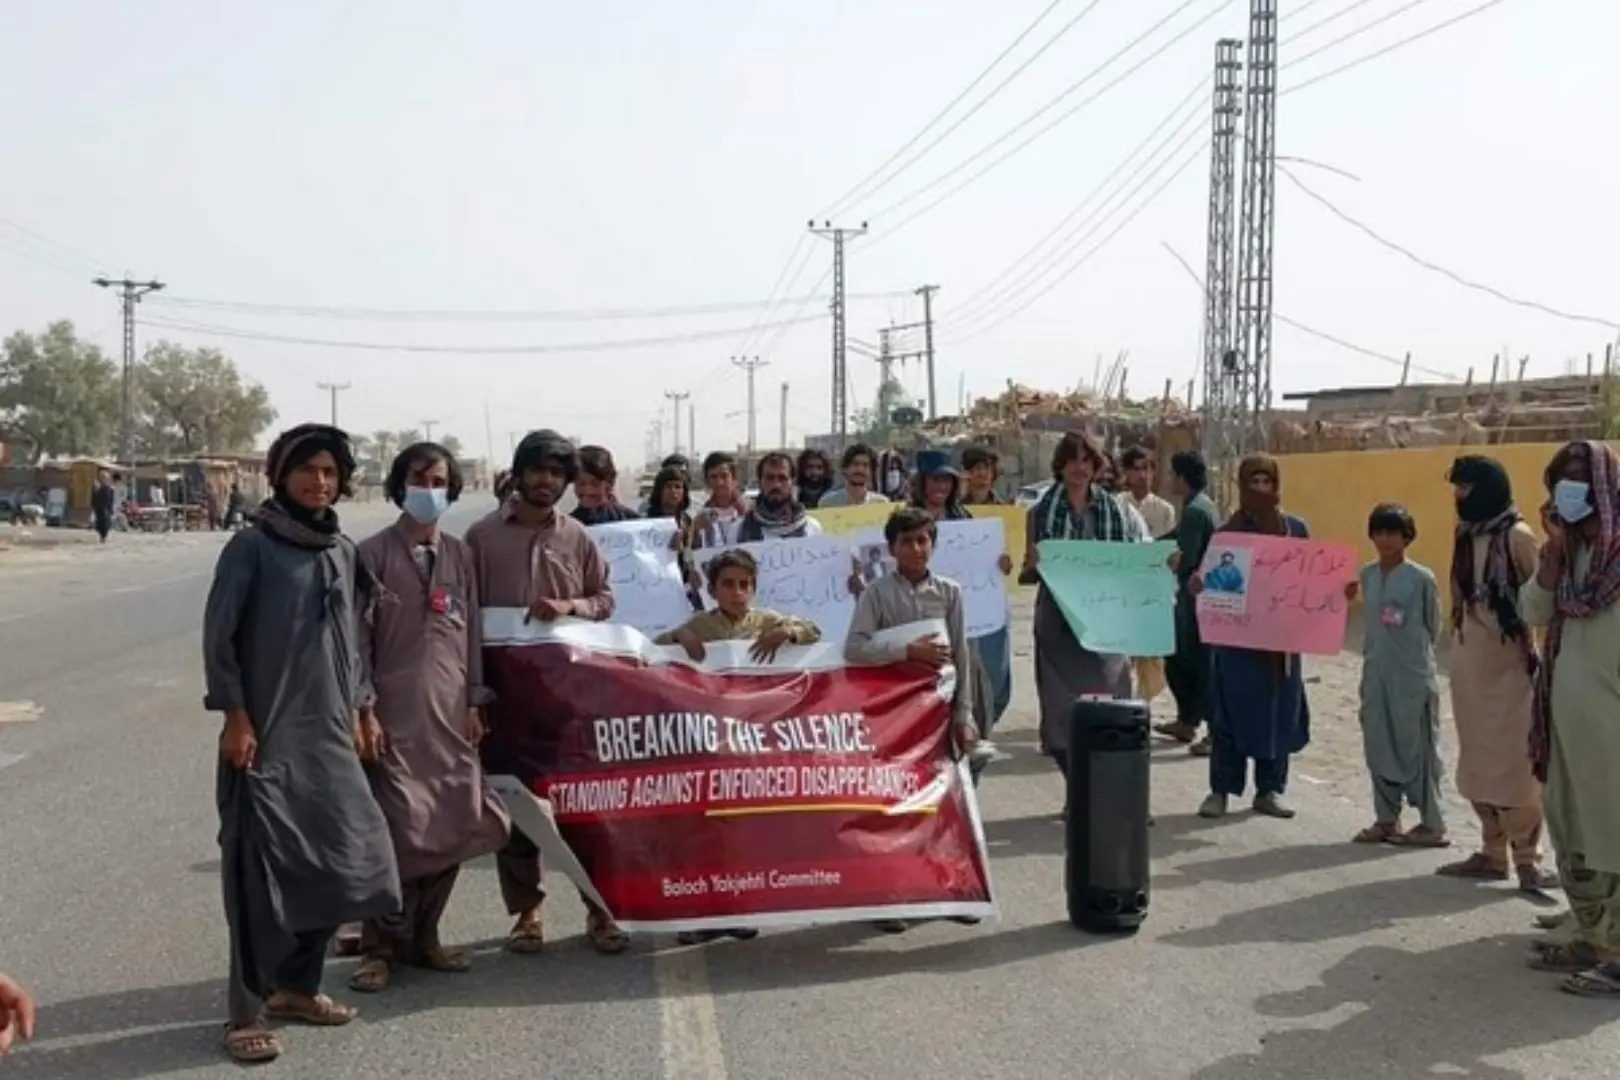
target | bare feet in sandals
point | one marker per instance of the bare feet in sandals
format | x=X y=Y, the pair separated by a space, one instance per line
x=1477 y=867
x=1379 y=832
x=441 y=959
x=372 y=976
x=251 y=1043
x=317 y=1010
x=604 y=934
x=1424 y=836
x=528 y=936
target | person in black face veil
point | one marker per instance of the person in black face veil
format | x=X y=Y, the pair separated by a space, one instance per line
x=304 y=846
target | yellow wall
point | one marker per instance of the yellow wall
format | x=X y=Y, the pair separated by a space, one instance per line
x=1335 y=492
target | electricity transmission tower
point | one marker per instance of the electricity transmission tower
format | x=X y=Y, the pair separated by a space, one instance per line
x=925 y=353
x=751 y=364
x=1251 y=379
x=334 y=389
x=840 y=375
x=1221 y=444
x=129 y=294
x=677 y=396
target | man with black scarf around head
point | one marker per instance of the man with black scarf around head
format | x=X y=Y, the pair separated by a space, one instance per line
x=527 y=555
x=304 y=846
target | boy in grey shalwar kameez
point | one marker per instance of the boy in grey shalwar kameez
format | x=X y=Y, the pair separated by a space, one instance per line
x=1400 y=685
x=304 y=846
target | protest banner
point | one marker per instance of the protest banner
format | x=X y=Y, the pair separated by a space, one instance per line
x=966 y=552
x=807 y=578
x=645 y=575
x=1117 y=598
x=843 y=520
x=1275 y=593
x=730 y=793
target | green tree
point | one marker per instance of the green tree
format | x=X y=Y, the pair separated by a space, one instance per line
x=60 y=395
x=452 y=444
x=194 y=401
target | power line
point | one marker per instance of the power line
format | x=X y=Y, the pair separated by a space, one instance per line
x=1328 y=21
x=1386 y=50
x=1018 y=148
x=363 y=314
x=483 y=350
x=980 y=296
x=1436 y=268
x=842 y=204
x=776 y=287
x=55 y=248
x=1358 y=31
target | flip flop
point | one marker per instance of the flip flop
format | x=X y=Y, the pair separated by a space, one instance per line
x=1422 y=837
x=251 y=1044
x=1378 y=832
x=1602 y=981
x=317 y=1011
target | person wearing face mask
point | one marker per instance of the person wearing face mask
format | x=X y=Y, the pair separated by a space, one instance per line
x=527 y=555
x=421 y=714
x=1575 y=736
x=1493 y=665
x=1258 y=709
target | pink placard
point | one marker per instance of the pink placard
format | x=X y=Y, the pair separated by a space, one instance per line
x=1275 y=594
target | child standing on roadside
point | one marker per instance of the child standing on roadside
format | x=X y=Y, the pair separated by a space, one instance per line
x=1400 y=688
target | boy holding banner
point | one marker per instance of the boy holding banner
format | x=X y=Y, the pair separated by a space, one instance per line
x=914 y=594
x=733 y=578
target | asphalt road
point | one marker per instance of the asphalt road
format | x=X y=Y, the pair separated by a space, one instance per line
x=1274 y=949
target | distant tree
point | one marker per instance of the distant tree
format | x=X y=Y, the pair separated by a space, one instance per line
x=386 y=445
x=452 y=444
x=194 y=401
x=405 y=437
x=58 y=395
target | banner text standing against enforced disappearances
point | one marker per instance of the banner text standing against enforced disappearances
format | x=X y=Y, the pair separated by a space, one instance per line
x=732 y=793
x=1275 y=594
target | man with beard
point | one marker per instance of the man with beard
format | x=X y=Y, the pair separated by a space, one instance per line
x=422 y=718
x=859 y=466
x=776 y=514
x=304 y=846
x=527 y=555
x=815 y=477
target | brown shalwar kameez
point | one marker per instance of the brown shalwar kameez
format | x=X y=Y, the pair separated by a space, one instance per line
x=421 y=653
x=514 y=565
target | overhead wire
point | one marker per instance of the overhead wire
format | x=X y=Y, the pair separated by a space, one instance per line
x=991 y=288
x=58 y=252
x=1436 y=268
x=1478 y=9
x=1019 y=147
x=845 y=202
x=1329 y=20
x=1353 y=34
x=776 y=287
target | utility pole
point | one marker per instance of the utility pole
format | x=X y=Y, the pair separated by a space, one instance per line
x=885 y=359
x=1221 y=425
x=677 y=396
x=840 y=374
x=750 y=364
x=1257 y=228
x=427 y=429
x=129 y=294
x=782 y=441
x=691 y=428
x=334 y=389
x=489 y=437
x=927 y=293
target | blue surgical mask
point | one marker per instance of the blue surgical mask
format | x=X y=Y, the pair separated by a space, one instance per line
x=1569 y=499
x=425 y=505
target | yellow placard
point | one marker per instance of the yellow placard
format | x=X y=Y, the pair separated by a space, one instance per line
x=842 y=520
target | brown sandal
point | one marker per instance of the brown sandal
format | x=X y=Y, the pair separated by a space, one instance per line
x=371 y=977
x=1563 y=957
x=1379 y=832
x=1422 y=837
x=317 y=1011
x=251 y=1043
x=1534 y=879
x=605 y=935
x=527 y=937
x=447 y=961
x=1477 y=867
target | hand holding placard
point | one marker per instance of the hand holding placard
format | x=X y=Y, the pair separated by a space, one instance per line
x=1118 y=598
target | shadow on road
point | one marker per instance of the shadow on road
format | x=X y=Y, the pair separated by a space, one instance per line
x=1272 y=863
x=1421 y=1014
x=1343 y=913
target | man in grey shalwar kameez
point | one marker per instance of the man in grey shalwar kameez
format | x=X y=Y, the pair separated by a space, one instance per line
x=304 y=846
x=421 y=722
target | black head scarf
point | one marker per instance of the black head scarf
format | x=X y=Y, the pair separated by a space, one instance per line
x=280 y=514
x=1491 y=493
x=1487 y=510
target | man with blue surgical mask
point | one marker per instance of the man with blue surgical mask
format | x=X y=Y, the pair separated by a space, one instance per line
x=421 y=718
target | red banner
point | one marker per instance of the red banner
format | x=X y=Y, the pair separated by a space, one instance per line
x=737 y=794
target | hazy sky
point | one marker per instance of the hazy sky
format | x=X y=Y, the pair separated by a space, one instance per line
x=504 y=156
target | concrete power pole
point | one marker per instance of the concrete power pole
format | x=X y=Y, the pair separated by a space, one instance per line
x=691 y=428
x=334 y=389
x=129 y=294
x=782 y=441
x=840 y=373
x=750 y=364
x=1221 y=440
x=677 y=396
x=1257 y=228
x=927 y=293
x=427 y=429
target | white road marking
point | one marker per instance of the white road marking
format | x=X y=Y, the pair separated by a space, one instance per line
x=686 y=1015
x=1309 y=779
x=8 y=760
x=19 y=712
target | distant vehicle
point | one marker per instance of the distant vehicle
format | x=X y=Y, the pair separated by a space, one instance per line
x=1030 y=494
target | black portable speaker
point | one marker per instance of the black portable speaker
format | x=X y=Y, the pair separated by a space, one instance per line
x=1106 y=859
